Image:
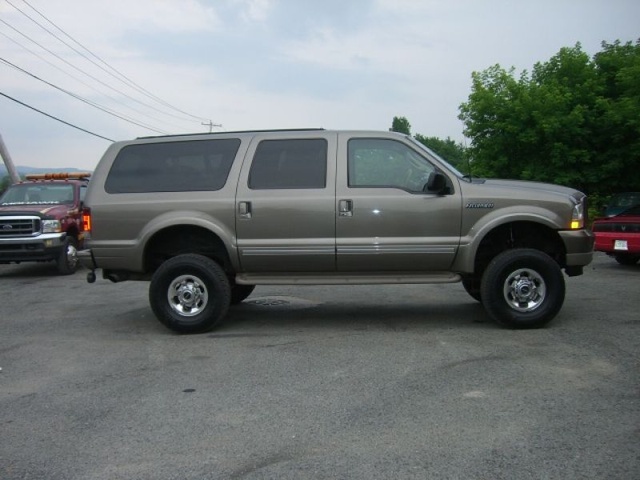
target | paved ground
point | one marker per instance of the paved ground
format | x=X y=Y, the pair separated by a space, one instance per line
x=341 y=383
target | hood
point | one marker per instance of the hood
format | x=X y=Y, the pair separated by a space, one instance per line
x=538 y=186
x=41 y=210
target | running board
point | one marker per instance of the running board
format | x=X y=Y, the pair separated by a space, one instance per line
x=346 y=279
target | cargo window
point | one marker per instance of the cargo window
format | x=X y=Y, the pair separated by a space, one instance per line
x=376 y=163
x=289 y=164
x=197 y=165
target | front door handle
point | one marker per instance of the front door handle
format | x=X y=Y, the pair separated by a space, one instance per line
x=345 y=208
x=244 y=209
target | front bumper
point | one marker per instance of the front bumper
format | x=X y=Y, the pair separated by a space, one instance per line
x=579 y=247
x=41 y=248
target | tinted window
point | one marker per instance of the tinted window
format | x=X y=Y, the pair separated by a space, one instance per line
x=289 y=164
x=172 y=166
x=386 y=163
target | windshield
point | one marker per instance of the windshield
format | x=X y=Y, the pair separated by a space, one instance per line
x=446 y=164
x=37 y=194
x=626 y=200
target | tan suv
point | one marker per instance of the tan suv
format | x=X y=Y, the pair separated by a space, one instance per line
x=207 y=217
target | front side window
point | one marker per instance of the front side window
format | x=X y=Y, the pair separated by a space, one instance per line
x=375 y=162
x=196 y=165
x=289 y=164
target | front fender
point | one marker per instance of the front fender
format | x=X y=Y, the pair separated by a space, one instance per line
x=471 y=239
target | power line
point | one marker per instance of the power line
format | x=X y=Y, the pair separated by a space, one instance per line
x=123 y=78
x=81 y=71
x=111 y=70
x=84 y=100
x=114 y=99
x=55 y=118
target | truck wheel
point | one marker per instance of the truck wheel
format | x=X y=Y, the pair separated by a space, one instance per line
x=240 y=292
x=189 y=293
x=626 y=259
x=522 y=288
x=67 y=261
x=471 y=284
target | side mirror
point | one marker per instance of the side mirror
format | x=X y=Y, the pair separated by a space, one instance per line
x=437 y=183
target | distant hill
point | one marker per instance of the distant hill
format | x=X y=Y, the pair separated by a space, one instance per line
x=22 y=170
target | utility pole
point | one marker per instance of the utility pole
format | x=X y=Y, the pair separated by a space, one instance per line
x=11 y=169
x=211 y=125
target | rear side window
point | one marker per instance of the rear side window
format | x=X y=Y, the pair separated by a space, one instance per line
x=289 y=164
x=198 y=165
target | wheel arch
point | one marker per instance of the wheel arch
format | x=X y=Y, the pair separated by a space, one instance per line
x=494 y=238
x=177 y=239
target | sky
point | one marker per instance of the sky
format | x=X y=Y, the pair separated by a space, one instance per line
x=123 y=69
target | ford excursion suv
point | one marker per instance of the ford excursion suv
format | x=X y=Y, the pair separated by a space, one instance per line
x=206 y=217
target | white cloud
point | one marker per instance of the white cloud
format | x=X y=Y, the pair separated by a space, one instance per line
x=281 y=63
x=256 y=10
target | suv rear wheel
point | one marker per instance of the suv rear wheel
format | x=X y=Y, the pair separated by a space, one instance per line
x=523 y=288
x=240 y=292
x=190 y=293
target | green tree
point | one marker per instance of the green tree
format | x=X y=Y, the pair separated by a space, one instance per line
x=454 y=153
x=573 y=121
x=401 y=125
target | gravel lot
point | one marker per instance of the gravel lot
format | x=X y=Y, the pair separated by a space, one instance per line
x=384 y=382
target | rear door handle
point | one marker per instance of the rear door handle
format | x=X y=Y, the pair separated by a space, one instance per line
x=345 y=208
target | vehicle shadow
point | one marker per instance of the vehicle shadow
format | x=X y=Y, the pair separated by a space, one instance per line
x=254 y=315
x=31 y=270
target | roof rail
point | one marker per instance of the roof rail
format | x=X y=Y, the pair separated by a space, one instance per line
x=312 y=129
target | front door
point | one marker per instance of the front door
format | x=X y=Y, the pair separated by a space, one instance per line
x=385 y=220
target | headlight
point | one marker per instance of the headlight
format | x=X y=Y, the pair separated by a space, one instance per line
x=577 y=216
x=51 y=226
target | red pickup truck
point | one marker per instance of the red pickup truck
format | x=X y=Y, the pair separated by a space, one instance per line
x=41 y=220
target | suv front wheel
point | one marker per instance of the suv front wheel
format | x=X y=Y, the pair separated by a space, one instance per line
x=522 y=288
x=190 y=293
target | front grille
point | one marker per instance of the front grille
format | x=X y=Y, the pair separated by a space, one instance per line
x=19 y=226
x=616 y=227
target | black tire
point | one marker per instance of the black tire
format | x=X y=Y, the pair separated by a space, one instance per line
x=522 y=288
x=471 y=284
x=240 y=292
x=626 y=259
x=190 y=293
x=67 y=261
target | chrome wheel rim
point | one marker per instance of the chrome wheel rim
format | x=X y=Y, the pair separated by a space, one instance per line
x=187 y=295
x=524 y=290
x=72 y=256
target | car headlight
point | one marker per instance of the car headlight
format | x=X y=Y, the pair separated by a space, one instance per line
x=578 y=215
x=51 y=226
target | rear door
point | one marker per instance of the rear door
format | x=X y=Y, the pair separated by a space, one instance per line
x=285 y=204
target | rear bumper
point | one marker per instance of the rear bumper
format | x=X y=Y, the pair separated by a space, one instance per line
x=606 y=242
x=32 y=249
x=85 y=257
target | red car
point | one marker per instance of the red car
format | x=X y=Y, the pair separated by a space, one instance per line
x=619 y=236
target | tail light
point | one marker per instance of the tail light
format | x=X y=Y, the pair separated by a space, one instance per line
x=86 y=219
